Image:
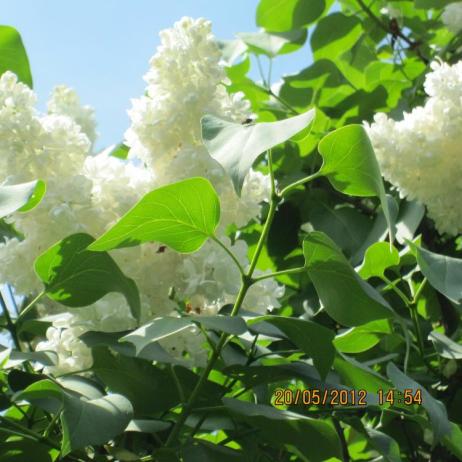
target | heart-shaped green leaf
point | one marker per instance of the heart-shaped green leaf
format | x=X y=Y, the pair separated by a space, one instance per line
x=345 y=296
x=377 y=259
x=334 y=35
x=22 y=197
x=312 y=338
x=13 y=56
x=284 y=15
x=182 y=215
x=236 y=146
x=350 y=165
x=84 y=422
x=75 y=276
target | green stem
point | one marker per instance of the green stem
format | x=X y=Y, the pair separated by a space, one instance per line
x=27 y=432
x=51 y=425
x=341 y=435
x=278 y=273
x=231 y=254
x=397 y=291
x=413 y=45
x=271 y=172
x=299 y=183
x=419 y=291
x=177 y=384
x=269 y=219
x=260 y=69
x=29 y=307
x=284 y=103
x=188 y=407
x=246 y=282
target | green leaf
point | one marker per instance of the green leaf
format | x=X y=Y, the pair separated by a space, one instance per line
x=153 y=352
x=84 y=422
x=47 y=358
x=409 y=218
x=149 y=388
x=119 y=150
x=345 y=225
x=362 y=338
x=345 y=296
x=22 y=197
x=426 y=4
x=236 y=146
x=360 y=377
x=435 y=408
x=284 y=15
x=147 y=426
x=156 y=330
x=314 y=438
x=445 y=347
x=335 y=34
x=22 y=450
x=378 y=258
x=203 y=451
x=182 y=215
x=75 y=276
x=164 y=327
x=384 y=444
x=13 y=56
x=274 y=44
x=444 y=273
x=453 y=440
x=312 y=338
x=350 y=164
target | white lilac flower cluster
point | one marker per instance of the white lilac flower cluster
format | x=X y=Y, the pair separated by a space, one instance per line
x=452 y=17
x=84 y=193
x=421 y=155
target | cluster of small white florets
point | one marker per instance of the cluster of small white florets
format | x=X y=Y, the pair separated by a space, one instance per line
x=452 y=17
x=421 y=155
x=65 y=101
x=85 y=195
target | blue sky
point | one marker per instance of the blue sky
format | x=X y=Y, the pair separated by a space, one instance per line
x=102 y=48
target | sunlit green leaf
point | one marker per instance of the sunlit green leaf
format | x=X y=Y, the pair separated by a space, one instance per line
x=350 y=164
x=379 y=257
x=362 y=338
x=22 y=197
x=13 y=56
x=182 y=215
x=335 y=34
x=284 y=15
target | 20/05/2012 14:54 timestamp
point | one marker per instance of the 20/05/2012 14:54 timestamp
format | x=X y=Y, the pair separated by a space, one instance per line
x=344 y=397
